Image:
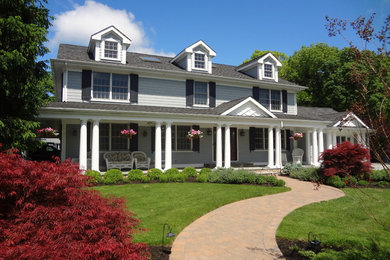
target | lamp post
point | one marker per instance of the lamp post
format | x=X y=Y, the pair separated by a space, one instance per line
x=169 y=234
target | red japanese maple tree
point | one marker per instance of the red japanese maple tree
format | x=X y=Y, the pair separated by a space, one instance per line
x=346 y=160
x=46 y=211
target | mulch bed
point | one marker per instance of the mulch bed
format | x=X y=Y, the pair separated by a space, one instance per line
x=159 y=253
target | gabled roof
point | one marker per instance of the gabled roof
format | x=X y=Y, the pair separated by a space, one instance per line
x=110 y=29
x=190 y=48
x=347 y=121
x=254 y=109
x=258 y=60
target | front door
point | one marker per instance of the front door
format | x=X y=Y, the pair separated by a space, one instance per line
x=233 y=143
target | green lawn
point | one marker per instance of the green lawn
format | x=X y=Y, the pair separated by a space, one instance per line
x=345 y=223
x=179 y=204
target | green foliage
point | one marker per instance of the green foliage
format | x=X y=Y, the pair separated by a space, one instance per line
x=382 y=184
x=24 y=81
x=307 y=253
x=305 y=174
x=350 y=180
x=145 y=179
x=96 y=177
x=154 y=173
x=363 y=183
x=172 y=171
x=335 y=181
x=113 y=176
x=289 y=167
x=177 y=177
x=190 y=172
x=257 y=53
x=379 y=175
x=163 y=178
x=135 y=175
x=272 y=180
x=205 y=170
x=260 y=179
x=202 y=178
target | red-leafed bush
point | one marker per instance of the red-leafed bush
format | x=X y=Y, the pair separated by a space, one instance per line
x=46 y=212
x=346 y=160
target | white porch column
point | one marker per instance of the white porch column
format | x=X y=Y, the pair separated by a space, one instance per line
x=315 y=147
x=227 y=146
x=83 y=145
x=278 y=147
x=95 y=145
x=157 y=146
x=329 y=140
x=63 y=141
x=320 y=141
x=219 y=147
x=334 y=139
x=270 y=147
x=168 y=146
x=308 y=146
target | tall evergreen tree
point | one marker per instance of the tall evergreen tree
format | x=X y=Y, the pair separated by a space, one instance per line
x=23 y=28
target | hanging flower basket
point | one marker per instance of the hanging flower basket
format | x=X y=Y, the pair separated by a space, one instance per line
x=194 y=134
x=128 y=133
x=296 y=136
x=47 y=132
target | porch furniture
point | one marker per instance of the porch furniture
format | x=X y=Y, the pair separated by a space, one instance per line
x=297 y=155
x=141 y=160
x=118 y=160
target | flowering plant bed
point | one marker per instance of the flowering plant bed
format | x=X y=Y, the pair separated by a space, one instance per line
x=296 y=136
x=47 y=132
x=193 y=134
x=128 y=133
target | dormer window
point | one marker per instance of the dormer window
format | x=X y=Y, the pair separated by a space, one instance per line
x=199 y=61
x=268 y=71
x=110 y=50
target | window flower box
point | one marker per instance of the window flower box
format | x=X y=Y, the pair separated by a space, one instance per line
x=47 y=132
x=128 y=133
x=296 y=136
x=194 y=134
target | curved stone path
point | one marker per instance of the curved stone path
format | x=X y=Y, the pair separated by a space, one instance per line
x=246 y=229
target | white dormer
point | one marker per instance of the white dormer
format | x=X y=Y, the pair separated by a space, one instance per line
x=109 y=44
x=196 y=57
x=264 y=67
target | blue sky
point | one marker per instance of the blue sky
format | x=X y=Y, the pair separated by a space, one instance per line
x=234 y=29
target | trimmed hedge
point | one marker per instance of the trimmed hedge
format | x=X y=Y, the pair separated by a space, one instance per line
x=135 y=175
x=95 y=177
x=172 y=171
x=335 y=181
x=154 y=173
x=113 y=176
x=190 y=172
x=305 y=174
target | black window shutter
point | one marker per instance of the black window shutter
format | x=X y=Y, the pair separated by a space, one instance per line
x=134 y=139
x=152 y=138
x=62 y=87
x=196 y=141
x=189 y=92
x=212 y=94
x=251 y=139
x=133 y=88
x=288 y=140
x=255 y=93
x=86 y=84
x=284 y=97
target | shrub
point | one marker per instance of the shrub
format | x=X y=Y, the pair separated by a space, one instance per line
x=382 y=184
x=145 y=179
x=205 y=170
x=95 y=177
x=289 y=167
x=305 y=174
x=177 y=177
x=201 y=178
x=163 y=178
x=190 y=172
x=172 y=171
x=363 y=183
x=272 y=180
x=135 y=175
x=335 y=181
x=47 y=213
x=113 y=176
x=154 y=173
x=346 y=160
x=212 y=176
x=379 y=175
x=350 y=180
x=260 y=179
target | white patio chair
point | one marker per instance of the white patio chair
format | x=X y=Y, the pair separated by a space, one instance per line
x=297 y=155
x=141 y=160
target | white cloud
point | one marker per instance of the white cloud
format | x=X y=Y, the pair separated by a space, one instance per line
x=77 y=26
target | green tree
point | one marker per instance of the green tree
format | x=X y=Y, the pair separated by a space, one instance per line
x=24 y=83
x=279 y=55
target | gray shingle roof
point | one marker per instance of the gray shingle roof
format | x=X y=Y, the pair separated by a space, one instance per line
x=314 y=113
x=79 y=53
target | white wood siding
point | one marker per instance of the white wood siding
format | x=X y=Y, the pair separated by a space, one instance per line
x=74 y=86
x=161 y=92
x=228 y=93
x=291 y=104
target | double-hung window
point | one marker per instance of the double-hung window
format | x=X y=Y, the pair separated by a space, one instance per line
x=264 y=97
x=110 y=138
x=180 y=141
x=270 y=99
x=200 y=61
x=268 y=71
x=261 y=138
x=111 y=50
x=110 y=86
x=200 y=93
x=276 y=103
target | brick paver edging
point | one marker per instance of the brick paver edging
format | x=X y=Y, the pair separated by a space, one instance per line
x=246 y=229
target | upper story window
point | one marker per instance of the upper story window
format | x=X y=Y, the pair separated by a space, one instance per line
x=264 y=97
x=268 y=71
x=200 y=93
x=270 y=99
x=276 y=103
x=200 y=61
x=110 y=86
x=111 y=50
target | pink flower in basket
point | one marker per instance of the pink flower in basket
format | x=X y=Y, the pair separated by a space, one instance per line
x=128 y=133
x=46 y=132
x=192 y=134
x=296 y=136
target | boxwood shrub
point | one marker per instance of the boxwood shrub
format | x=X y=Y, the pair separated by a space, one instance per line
x=172 y=171
x=305 y=174
x=154 y=173
x=335 y=181
x=135 y=175
x=113 y=176
x=202 y=178
x=190 y=172
x=379 y=175
x=163 y=178
x=96 y=177
x=205 y=171
x=363 y=183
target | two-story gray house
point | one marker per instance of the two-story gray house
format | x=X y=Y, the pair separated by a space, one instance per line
x=247 y=112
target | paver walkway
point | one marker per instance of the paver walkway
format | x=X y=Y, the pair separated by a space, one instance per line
x=246 y=229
